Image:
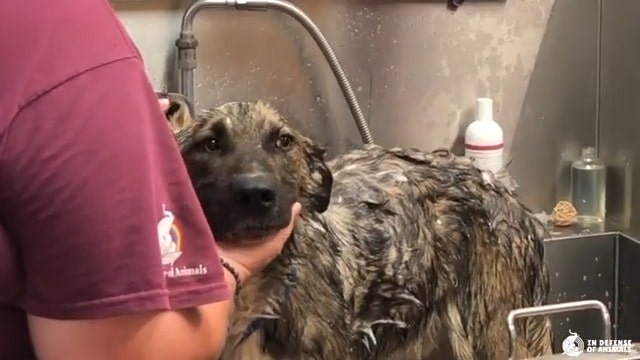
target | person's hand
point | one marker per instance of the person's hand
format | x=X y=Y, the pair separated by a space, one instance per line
x=164 y=104
x=250 y=257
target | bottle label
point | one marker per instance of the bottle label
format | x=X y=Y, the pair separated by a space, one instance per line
x=486 y=159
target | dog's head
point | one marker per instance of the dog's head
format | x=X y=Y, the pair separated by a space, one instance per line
x=249 y=166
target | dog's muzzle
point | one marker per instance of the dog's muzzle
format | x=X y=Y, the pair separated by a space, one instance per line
x=254 y=192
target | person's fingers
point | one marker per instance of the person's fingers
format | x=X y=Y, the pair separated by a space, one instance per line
x=283 y=234
x=295 y=210
x=278 y=238
x=164 y=104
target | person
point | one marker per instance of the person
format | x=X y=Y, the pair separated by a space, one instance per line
x=91 y=185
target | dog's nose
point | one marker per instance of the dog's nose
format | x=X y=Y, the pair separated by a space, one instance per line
x=257 y=191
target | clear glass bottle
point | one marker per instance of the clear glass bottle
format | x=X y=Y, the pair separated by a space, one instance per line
x=588 y=187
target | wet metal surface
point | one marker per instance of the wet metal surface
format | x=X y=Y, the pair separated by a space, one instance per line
x=619 y=111
x=595 y=267
x=416 y=69
x=629 y=290
x=581 y=269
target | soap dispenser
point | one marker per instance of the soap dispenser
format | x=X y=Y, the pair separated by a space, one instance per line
x=483 y=139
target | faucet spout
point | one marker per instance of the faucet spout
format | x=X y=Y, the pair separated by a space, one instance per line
x=187 y=44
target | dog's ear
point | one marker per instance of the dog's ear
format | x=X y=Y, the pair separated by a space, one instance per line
x=321 y=177
x=180 y=111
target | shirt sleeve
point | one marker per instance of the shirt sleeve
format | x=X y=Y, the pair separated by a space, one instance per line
x=98 y=200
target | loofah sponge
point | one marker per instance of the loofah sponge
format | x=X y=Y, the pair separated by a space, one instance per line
x=564 y=213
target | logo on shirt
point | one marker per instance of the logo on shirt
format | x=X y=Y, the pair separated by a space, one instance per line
x=170 y=241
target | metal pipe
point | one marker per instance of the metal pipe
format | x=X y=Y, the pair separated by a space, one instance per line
x=187 y=44
x=555 y=309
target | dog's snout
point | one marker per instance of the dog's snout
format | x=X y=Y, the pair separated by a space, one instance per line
x=257 y=191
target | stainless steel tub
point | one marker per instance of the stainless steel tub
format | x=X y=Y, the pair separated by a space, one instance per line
x=595 y=266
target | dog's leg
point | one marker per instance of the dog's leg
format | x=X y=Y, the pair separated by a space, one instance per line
x=539 y=336
x=534 y=338
x=460 y=343
x=248 y=349
x=436 y=345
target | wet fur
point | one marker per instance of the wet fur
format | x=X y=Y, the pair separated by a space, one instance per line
x=417 y=256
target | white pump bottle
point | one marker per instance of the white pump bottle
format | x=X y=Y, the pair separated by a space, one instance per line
x=484 y=139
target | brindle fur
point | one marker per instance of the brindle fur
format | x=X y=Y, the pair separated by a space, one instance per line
x=418 y=255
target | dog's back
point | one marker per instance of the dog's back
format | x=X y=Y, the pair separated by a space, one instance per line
x=415 y=251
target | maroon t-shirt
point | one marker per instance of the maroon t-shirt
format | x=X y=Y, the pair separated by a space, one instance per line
x=97 y=214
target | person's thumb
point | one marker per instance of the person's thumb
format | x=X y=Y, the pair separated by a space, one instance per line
x=295 y=210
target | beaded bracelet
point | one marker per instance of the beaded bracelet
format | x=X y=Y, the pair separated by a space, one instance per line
x=234 y=273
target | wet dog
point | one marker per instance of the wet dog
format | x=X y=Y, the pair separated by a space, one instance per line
x=398 y=254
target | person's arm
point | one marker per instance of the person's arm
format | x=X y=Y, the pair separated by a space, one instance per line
x=97 y=197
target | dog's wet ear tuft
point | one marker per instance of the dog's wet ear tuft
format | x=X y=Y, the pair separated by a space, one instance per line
x=321 y=176
x=172 y=110
x=180 y=111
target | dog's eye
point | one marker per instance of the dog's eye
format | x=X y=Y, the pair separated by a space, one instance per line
x=284 y=142
x=212 y=145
